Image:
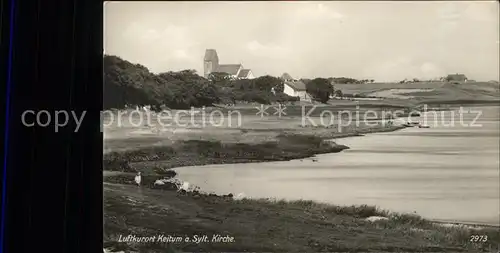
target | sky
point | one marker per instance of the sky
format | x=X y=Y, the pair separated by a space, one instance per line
x=385 y=41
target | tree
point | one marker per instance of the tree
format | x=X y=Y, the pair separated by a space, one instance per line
x=188 y=72
x=216 y=77
x=132 y=84
x=320 y=89
x=265 y=83
x=346 y=80
x=338 y=93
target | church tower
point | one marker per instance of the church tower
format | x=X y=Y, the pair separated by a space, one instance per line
x=210 y=62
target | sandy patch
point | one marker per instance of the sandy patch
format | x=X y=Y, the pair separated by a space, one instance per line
x=398 y=93
x=376 y=218
x=463 y=226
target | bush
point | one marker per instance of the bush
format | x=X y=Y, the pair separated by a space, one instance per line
x=320 y=89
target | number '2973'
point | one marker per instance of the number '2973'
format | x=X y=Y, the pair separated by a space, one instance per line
x=478 y=238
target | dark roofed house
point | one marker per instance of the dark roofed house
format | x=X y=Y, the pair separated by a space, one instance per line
x=245 y=74
x=456 y=78
x=296 y=85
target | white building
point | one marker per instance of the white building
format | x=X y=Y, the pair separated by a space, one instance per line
x=295 y=88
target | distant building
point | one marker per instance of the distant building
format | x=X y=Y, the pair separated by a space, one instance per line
x=211 y=65
x=294 y=88
x=456 y=78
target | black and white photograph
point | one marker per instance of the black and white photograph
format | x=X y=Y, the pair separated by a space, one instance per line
x=301 y=126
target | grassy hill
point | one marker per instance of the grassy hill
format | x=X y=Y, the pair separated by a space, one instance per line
x=428 y=92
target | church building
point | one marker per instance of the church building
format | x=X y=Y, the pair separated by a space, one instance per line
x=211 y=65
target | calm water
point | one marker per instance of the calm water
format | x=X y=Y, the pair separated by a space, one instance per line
x=444 y=172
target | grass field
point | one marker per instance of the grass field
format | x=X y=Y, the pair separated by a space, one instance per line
x=429 y=92
x=273 y=226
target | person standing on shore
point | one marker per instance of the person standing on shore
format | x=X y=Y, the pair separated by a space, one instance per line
x=138 y=179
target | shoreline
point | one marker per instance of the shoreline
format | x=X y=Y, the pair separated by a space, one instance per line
x=327 y=139
x=286 y=145
x=466 y=223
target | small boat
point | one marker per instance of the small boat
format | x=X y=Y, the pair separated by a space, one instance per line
x=423 y=126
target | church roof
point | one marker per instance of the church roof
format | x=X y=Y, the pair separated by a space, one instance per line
x=244 y=73
x=286 y=76
x=296 y=85
x=210 y=54
x=231 y=69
